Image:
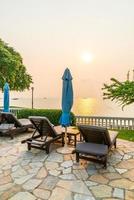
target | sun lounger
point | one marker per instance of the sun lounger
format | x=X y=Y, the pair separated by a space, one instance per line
x=97 y=143
x=10 y=125
x=44 y=135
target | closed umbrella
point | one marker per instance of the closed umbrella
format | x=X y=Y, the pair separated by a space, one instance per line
x=6 y=97
x=67 y=102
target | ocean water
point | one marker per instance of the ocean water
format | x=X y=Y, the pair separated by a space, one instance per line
x=81 y=106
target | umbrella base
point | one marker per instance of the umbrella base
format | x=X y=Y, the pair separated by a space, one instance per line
x=65 y=150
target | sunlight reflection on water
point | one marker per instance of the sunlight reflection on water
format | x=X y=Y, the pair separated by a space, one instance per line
x=81 y=106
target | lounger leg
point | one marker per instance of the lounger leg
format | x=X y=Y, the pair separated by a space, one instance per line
x=29 y=146
x=47 y=149
x=11 y=136
x=105 y=162
x=115 y=144
x=77 y=157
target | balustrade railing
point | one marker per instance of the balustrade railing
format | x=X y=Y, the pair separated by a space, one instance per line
x=109 y=122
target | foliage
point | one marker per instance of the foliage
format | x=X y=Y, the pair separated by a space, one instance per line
x=122 y=92
x=52 y=114
x=12 y=69
x=126 y=135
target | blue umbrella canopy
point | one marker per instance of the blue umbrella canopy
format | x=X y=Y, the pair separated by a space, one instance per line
x=67 y=98
x=6 y=97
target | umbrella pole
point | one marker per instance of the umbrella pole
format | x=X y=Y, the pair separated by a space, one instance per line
x=65 y=136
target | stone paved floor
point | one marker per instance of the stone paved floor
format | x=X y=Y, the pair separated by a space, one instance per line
x=31 y=175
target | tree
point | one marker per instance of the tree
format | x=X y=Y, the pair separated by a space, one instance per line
x=12 y=69
x=122 y=92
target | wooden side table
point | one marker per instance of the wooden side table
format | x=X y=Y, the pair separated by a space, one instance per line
x=72 y=132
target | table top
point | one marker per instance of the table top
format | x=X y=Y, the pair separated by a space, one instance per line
x=70 y=130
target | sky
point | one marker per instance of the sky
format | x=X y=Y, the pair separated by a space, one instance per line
x=51 y=35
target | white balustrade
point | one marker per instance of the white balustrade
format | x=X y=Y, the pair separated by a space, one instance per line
x=108 y=122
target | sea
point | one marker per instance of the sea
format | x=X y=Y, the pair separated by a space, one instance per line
x=81 y=106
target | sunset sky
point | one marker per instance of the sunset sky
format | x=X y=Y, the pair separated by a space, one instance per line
x=94 y=38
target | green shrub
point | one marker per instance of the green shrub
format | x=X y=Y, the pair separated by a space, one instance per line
x=52 y=114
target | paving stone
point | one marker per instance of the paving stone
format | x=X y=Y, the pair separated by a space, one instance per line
x=22 y=196
x=78 y=166
x=99 y=179
x=119 y=193
x=110 y=199
x=129 y=195
x=114 y=161
x=74 y=186
x=5 y=180
x=111 y=169
x=83 y=197
x=67 y=170
x=42 y=173
x=43 y=194
x=4 y=151
x=122 y=183
x=131 y=153
x=129 y=174
x=23 y=179
x=126 y=157
x=10 y=192
x=67 y=157
x=121 y=171
x=112 y=176
x=49 y=183
x=36 y=164
x=66 y=164
x=7 y=167
x=6 y=186
x=19 y=173
x=54 y=172
x=91 y=183
x=61 y=168
x=25 y=162
x=126 y=164
x=16 y=167
x=101 y=191
x=7 y=172
x=91 y=171
x=40 y=157
x=28 y=155
x=68 y=177
x=81 y=174
x=26 y=167
x=31 y=184
x=33 y=170
x=55 y=157
x=60 y=193
x=51 y=165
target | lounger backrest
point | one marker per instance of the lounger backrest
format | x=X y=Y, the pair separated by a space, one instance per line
x=10 y=118
x=43 y=125
x=95 y=134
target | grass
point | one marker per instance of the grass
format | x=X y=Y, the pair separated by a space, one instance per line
x=126 y=135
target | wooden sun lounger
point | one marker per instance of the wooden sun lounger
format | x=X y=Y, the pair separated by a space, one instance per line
x=44 y=135
x=97 y=143
x=10 y=125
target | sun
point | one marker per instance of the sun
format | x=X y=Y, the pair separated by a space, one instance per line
x=87 y=57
